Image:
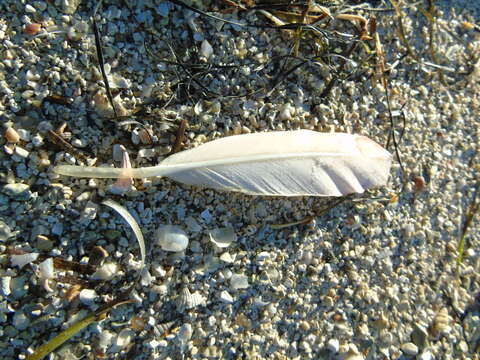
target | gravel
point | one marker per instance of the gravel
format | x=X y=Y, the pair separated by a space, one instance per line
x=245 y=277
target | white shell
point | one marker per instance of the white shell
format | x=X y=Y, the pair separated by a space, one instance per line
x=171 y=238
x=184 y=335
x=46 y=269
x=124 y=338
x=187 y=300
x=24 y=259
x=105 y=272
x=223 y=237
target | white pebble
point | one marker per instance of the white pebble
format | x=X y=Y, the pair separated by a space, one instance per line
x=24 y=259
x=226 y=297
x=333 y=345
x=239 y=281
x=21 y=152
x=409 y=349
x=206 y=49
x=106 y=272
x=87 y=296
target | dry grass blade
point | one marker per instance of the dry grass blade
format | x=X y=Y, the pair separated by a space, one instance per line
x=472 y=210
x=133 y=224
x=68 y=333
x=401 y=29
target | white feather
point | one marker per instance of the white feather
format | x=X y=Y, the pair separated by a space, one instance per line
x=286 y=163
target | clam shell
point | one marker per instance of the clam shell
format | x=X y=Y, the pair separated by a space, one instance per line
x=171 y=238
x=223 y=237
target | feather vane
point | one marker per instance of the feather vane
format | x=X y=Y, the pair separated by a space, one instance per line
x=284 y=163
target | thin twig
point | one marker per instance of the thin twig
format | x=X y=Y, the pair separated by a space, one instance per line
x=101 y=62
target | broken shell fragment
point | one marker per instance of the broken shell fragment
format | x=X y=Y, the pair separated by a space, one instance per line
x=223 y=237
x=171 y=238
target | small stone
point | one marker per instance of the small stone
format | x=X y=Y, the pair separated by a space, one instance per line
x=5 y=231
x=239 y=281
x=409 y=349
x=87 y=296
x=226 y=297
x=426 y=355
x=17 y=191
x=11 y=135
x=206 y=49
x=32 y=29
x=223 y=237
x=333 y=345
x=419 y=336
x=20 y=321
x=44 y=243
x=97 y=255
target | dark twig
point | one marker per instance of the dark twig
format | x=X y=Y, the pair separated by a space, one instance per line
x=101 y=62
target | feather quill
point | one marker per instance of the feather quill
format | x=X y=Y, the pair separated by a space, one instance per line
x=284 y=163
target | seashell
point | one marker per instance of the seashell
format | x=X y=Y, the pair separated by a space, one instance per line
x=184 y=335
x=137 y=323
x=32 y=29
x=23 y=259
x=46 y=269
x=171 y=238
x=440 y=324
x=239 y=281
x=12 y=135
x=187 y=300
x=87 y=296
x=206 y=49
x=106 y=272
x=223 y=237
x=124 y=338
x=163 y=328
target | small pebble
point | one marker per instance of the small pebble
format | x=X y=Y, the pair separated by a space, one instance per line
x=17 y=191
x=87 y=296
x=409 y=349
x=239 y=281
x=11 y=135
x=5 y=231
x=106 y=272
x=333 y=345
x=32 y=29
x=226 y=297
